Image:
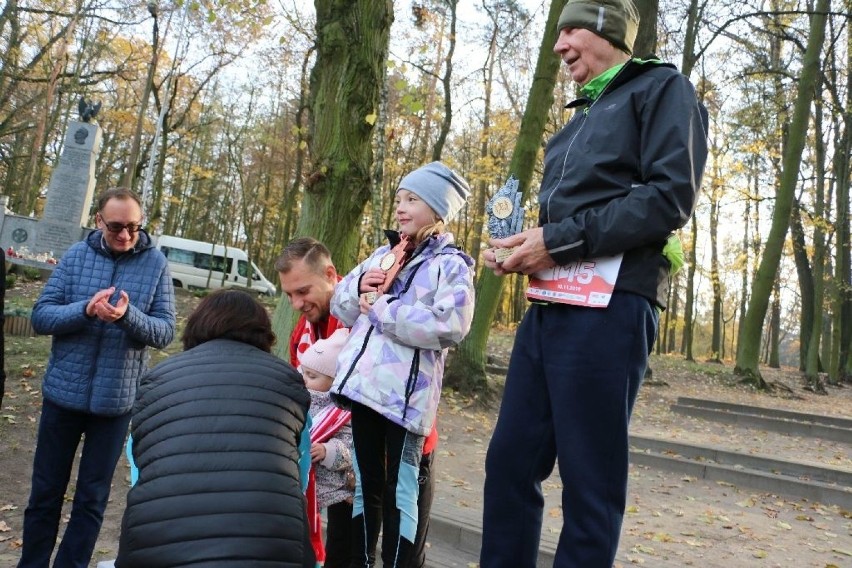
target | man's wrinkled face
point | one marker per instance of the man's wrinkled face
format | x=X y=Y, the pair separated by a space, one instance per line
x=585 y=53
x=309 y=291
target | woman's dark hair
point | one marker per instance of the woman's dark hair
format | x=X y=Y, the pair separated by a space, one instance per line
x=229 y=314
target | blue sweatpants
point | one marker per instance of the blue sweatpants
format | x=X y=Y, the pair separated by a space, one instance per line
x=572 y=381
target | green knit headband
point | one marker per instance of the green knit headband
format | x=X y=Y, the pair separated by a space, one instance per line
x=613 y=20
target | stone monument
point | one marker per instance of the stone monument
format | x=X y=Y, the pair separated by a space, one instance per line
x=69 y=196
x=70 y=192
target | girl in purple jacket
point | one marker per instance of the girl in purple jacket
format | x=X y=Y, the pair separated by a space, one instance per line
x=406 y=304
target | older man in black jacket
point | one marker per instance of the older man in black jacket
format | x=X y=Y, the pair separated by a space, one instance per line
x=618 y=179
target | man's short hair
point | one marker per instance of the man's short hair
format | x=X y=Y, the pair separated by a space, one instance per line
x=315 y=254
x=120 y=193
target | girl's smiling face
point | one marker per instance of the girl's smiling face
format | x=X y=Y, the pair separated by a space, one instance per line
x=412 y=213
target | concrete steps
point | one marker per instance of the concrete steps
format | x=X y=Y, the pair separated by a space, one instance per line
x=830 y=428
x=455 y=538
x=800 y=480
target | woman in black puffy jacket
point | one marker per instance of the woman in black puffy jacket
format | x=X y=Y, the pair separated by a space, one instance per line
x=216 y=433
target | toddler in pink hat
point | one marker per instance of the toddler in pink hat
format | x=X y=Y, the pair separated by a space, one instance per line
x=331 y=481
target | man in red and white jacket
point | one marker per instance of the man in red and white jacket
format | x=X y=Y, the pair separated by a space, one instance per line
x=308 y=278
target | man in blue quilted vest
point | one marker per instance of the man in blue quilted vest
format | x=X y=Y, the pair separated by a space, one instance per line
x=109 y=298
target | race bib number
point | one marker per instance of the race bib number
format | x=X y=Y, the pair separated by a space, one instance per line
x=581 y=283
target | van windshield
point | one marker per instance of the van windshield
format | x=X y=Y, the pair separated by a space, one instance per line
x=242 y=270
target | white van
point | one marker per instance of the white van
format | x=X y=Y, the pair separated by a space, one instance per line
x=197 y=265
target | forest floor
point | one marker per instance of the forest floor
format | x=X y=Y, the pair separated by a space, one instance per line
x=680 y=519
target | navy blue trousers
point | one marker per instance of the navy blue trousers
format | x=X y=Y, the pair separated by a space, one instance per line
x=572 y=381
x=59 y=434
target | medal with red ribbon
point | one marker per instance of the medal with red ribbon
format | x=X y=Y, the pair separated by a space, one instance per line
x=390 y=264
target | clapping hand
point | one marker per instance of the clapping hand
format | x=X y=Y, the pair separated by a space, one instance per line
x=100 y=307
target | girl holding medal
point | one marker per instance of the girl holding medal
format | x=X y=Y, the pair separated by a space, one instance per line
x=407 y=304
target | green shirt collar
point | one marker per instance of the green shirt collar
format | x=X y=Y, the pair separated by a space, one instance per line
x=595 y=87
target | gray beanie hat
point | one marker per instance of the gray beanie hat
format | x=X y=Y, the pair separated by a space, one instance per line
x=322 y=355
x=441 y=188
x=613 y=20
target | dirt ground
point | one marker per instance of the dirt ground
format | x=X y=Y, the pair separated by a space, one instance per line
x=671 y=517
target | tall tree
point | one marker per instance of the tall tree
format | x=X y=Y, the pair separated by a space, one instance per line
x=446 y=79
x=812 y=358
x=804 y=271
x=747 y=243
x=748 y=351
x=686 y=65
x=646 y=37
x=352 y=47
x=840 y=363
x=133 y=156
x=689 y=309
x=715 y=193
x=466 y=370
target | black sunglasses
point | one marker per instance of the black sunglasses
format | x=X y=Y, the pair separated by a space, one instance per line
x=115 y=227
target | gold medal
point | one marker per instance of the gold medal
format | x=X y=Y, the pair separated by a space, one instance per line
x=502 y=207
x=387 y=261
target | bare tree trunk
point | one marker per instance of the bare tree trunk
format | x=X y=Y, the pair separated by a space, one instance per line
x=133 y=157
x=672 y=312
x=812 y=364
x=841 y=298
x=746 y=249
x=692 y=23
x=663 y=325
x=11 y=186
x=774 y=359
x=155 y=215
x=806 y=282
x=715 y=278
x=686 y=66
x=646 y=38
x=447 y=120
